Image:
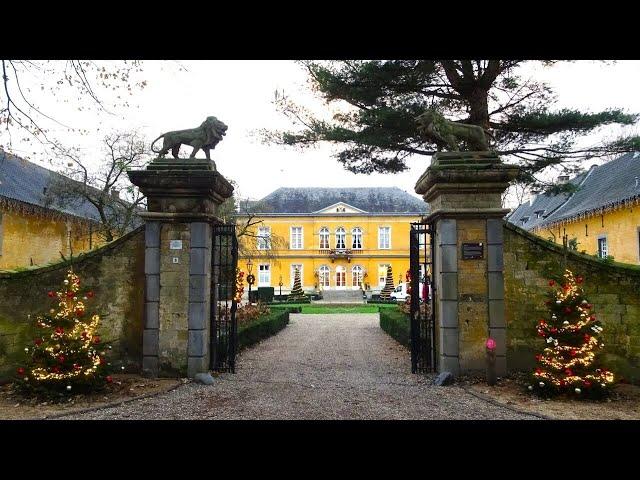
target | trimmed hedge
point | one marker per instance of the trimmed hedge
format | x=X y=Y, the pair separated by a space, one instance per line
x=396 y=324
x=384 y=302
x=263 y=327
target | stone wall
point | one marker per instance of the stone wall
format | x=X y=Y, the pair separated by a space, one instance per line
x=114 y=272
x=614 y=290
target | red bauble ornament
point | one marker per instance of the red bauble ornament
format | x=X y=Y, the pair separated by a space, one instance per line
x=79 y=312
x=579 y=279
x=59 y=330
x=538 y=357
x=540 y=333
x=76 y=366
x=60 y=358
x=90 y=294
x=568 y=372
x=586 y=337
x=538 y=370
x=70 y=294
x=562 y=383
x=96 y=339
x=38 y=341
x=554 y=330
x=551 y=283
x=84 y=334
x=20 y=371
x=51 y=294
x=573 y=353
x=109 y=379
x=55 y=369
x=567 y=310
x=592 y=317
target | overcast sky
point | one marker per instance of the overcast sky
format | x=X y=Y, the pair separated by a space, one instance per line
x=240 y=93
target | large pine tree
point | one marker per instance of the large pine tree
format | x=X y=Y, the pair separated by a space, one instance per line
x=377 y=132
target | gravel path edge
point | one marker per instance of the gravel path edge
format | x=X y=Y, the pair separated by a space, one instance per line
x=488 y=399
x=113 y=404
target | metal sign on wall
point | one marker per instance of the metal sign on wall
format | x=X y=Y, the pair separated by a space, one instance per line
x=472 y=251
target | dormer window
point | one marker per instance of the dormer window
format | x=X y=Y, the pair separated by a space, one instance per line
x=524 y=220
x=539 y=213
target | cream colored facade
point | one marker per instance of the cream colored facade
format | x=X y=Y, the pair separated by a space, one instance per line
x=339 y=248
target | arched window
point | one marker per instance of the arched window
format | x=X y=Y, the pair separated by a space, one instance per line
x=356 y=276
x=341 y=236
x=324 y=273
x=324 y=237
x=356 y=235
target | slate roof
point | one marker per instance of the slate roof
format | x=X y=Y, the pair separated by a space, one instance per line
x=601 y=187
x=25 y=181
x=375 y=200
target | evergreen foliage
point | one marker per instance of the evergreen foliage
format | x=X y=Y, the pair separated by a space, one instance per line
x=385 y=294
x=296 y=292
x=377 y=131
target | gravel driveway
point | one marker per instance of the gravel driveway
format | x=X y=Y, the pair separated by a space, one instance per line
x=338 y=366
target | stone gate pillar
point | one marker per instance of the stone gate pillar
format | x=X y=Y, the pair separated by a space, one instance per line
x=182 y=203
x=464 y=192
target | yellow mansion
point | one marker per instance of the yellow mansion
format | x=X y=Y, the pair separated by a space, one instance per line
x=338 y=238
x=602 y=215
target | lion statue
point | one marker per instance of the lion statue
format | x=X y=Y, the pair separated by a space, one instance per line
x=205 y=137
x=447 y=134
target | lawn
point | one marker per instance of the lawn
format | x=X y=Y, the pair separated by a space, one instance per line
x=337 y=308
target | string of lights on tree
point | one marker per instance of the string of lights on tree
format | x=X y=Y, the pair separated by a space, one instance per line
x=568 y=362
x=67 y=352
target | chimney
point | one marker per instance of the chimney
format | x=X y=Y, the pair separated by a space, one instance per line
x=563 y=178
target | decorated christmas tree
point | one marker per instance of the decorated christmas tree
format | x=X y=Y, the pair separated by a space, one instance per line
x=388 y=286
x=66 y=355
x=296 y=291
x=568 y=363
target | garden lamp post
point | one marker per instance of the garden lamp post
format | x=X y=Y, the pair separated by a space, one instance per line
x=280 y=285
x=250 y=278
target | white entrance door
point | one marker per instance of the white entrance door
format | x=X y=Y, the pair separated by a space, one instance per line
x=341 y=278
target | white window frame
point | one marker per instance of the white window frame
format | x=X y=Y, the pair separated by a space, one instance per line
x=603 y=253
x=356 y=233
x=292 y=271
x=357 y=282
x=324 y=234
x=382 y=281
x=293 y=244
x=264 y=238
x=324 y=281
x=343 y=269
x=380 y=245
x=268 y=270
x=341 y=233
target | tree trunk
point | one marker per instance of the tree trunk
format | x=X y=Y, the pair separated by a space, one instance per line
x=479 y=107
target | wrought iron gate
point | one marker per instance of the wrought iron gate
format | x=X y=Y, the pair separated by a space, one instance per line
x=422 y=268
x=224 y=329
